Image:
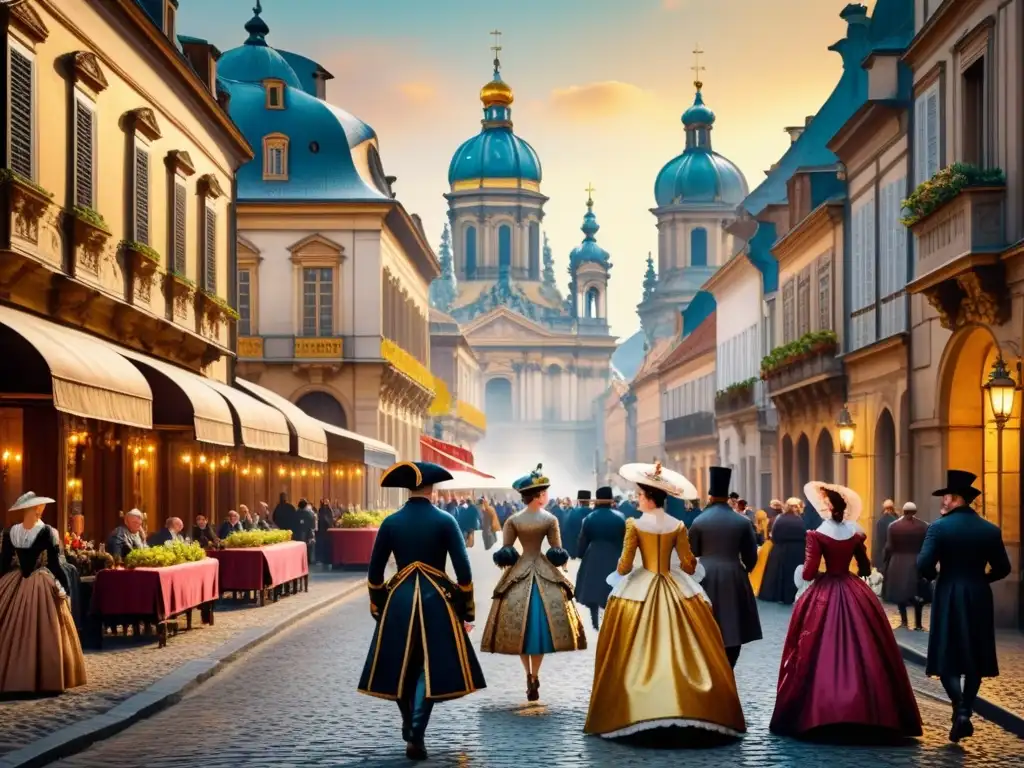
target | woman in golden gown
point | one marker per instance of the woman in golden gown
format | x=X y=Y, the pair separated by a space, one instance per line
x=660 y=657
x=39 y=647
x=532 y=613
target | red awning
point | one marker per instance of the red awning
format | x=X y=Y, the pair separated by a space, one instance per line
x=447 y=455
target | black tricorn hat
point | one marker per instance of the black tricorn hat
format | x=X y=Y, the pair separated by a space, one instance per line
x=604 y=493
x=718 y=482
x=960 y=483
x=413 y=475
x=583 y=496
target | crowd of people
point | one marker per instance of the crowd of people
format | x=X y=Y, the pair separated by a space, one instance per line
x=671 y=629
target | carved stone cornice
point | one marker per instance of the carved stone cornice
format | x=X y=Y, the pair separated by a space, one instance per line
x=144 y=121
x=85 y=68
x=979 y=295
x=180 y=160
x=209 y=186
x=27 y=20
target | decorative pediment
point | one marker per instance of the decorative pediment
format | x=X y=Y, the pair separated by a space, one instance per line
x=26 y=19
x=180 y=160
x=316 y=246
x=247 y=250
x=85 y=68
x=209 y=186
x=505 y=325
x=144 y=121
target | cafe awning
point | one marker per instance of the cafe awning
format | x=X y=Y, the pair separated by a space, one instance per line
x=375 y=453
x=449 y=456
x=312 y=439
x=211 y=414
x=262 y=427
x=90 y=379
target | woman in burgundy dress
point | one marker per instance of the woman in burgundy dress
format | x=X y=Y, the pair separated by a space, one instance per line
x=840 y=664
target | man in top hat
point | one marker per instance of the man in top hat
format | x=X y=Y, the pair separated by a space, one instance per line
x=727 y=547
x=600 y=546
x=416 y=609
x=957 y=550
x=574 y=523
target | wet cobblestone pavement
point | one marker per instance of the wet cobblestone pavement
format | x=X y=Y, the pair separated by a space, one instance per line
x=127 y=666
x=292 y=702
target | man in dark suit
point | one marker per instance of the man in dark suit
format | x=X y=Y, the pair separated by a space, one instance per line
x=727 y=547
x=414 y=609
x=171 y=532
x=902 y=585
x=599 y=547
x=958 y=549
x=574 y=523
x=629 y=508
x=887 y=518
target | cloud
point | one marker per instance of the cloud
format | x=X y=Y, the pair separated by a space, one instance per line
x=417 y=92
x=602 y=99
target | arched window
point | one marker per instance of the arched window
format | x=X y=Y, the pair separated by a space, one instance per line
x=323 y=406
x=699 y=247
x=498 y=400
x=534 y=251
x=471 y=253
x=275 y=157
x=504 y=247
x=593 y=303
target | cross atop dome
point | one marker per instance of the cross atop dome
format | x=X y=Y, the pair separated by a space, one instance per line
x=257 y=27
x=497 y=49
x=697 y=68
x=590 y=195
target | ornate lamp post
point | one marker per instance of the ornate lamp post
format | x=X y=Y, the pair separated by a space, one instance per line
x=1002 y=395
x=847 y=432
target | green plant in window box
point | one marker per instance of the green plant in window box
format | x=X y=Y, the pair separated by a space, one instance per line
x=145 y=259
x=93 y=218
x=945 y=185
x=217 y=308
x=8 y=175
x=735 y=390
x=807 y=346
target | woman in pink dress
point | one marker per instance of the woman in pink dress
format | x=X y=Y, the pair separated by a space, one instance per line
x=840 y=664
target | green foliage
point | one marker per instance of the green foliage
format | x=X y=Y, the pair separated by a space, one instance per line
x=945 y=185
x=89 y=562
x=732 y=389
x=810 y=343
x=182 y=279
x=6 y=174
x=91 y=217
x=221 y=304
x=142 y=249
x=172 y=553
x=361 y=519
x=249 y=539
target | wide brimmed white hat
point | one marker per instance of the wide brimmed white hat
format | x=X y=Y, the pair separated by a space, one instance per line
x=815 y=493
x=656 y=476
x=29 y=500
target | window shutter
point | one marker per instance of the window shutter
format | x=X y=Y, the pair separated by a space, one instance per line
x=180 y=206
x=21 y=114
x=83 y=155
x=920 y=139
x=933 y=137
x=142 y=195
x=210 y=278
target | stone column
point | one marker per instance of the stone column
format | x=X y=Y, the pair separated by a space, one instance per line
x=574 y=394
x=538 y=393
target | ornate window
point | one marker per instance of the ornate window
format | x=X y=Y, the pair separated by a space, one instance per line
x=471 y=253
x=275 y=94
x=245 y=302
x=504 y=247
x=318 y=301
x=534 y=266
x=275 y=157
x=21 y=126
x=209 y=282
x=789 y=311
x=825 y=292
x=141 y=192
x=863 y=292
x=803 y=302
x=699 y=247
x=928 y=134
x=178 y=214
x=85 y=150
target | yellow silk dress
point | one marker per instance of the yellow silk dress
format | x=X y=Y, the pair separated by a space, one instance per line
x=660 y=657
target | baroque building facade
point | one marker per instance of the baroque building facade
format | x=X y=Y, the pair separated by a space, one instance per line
x=544 y=358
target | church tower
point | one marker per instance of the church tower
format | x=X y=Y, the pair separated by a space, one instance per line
x=697 y=194
x=589 y=268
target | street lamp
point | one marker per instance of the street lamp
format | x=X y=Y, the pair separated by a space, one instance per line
x=847 y=432
x=1002 y=392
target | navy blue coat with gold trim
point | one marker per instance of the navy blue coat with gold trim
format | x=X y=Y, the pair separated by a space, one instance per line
x=420 y=612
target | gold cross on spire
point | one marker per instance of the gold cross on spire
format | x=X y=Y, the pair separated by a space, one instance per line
x=497 y=43
x=590 y=193
x=697 y=68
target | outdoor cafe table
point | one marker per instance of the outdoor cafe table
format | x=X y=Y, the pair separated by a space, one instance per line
x=155 y=595
x=259 y=569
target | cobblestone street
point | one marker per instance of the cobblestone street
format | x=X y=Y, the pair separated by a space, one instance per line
x=292 y=702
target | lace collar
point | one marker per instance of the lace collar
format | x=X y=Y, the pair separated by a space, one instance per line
x=23 y=538
x=839 y=531
x=656 y=521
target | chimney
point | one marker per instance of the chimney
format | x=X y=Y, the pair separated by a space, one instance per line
x=794 y=131
x=203 y=58
x=391 y=184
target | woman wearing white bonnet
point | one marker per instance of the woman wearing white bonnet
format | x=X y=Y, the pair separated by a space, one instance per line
x=39 y=647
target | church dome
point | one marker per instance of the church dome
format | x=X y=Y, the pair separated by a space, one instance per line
x=589 y=250
x=496 y=152
x=699 y=175
x=255 y=61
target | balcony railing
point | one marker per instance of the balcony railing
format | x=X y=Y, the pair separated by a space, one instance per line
x=972 y=222
x=471 y=415
x=735 y=399
x=291 y=348
x=813 y=366
x=691 y=426
x=405 y=363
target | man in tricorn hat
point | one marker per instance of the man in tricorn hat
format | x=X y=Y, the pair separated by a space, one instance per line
x=962 y=643
x=726 y=544
x=414 y=609
x=599 y=548
x=574 y=523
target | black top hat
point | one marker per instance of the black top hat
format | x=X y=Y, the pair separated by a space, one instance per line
x=413 y=475
x=960 y=483
x=604 y=493
x=583 y=496
x=718 y=482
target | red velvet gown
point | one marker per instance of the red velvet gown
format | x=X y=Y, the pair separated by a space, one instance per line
x=840 y=663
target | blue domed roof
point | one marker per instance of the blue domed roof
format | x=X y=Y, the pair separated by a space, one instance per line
x=496 y=152
x=700 y=175
x=589 y=250
x=255 y=61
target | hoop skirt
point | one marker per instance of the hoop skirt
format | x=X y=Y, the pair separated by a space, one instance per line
x=840 y=662
x=660 y=657
x=39 y=647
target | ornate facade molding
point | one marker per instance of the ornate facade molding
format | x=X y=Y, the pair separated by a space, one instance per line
x=979 y=295
x=144 y=121
x=209 y=186
x=85 y=68
x=27 y=20
x=179 y=160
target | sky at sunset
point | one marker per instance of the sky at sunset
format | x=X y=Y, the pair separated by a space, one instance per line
x=599 y=88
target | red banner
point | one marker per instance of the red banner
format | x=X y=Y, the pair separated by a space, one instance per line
x=447 y=455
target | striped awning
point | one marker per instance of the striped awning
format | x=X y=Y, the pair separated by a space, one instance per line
x=312 y=440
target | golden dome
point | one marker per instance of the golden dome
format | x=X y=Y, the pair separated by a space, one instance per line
x=496 y=94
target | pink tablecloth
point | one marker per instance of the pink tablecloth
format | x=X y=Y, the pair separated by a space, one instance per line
x=160 y=592
x=251 y=569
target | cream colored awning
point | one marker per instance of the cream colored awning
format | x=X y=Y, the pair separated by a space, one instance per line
x=312 y=439
x=211 y=414
x=90 y=379
x=375 y=453
x=263 y=427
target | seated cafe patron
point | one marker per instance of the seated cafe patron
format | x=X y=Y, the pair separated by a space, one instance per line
x=203 y=534
x=232 y=525
x=127 y=537
x=170 y=533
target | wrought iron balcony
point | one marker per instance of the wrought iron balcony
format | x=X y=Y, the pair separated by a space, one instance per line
x=291 y=348
x=735 y=399
x=691 y=426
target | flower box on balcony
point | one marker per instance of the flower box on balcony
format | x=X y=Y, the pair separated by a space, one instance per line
x=809 y=346
x=735 y=397
x=26 y=202
x=91 y=234
x=142 y=260
x=215 y=309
